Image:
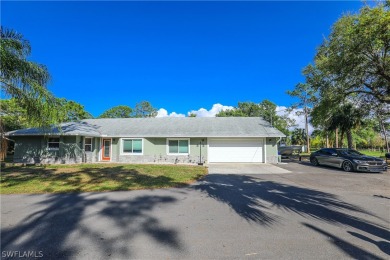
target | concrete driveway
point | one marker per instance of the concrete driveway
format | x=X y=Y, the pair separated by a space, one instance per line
x=245 y=168
x=307 y=215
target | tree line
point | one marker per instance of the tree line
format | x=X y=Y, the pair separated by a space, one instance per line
x=345 y=95
x=15 y=116
x=346 y=92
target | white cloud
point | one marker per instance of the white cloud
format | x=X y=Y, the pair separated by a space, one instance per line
x=202 y=112
x=299 y=120
x=162 y=112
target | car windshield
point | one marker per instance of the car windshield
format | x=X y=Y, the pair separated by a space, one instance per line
x=350 y=152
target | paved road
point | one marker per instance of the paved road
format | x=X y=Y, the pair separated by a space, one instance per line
x=310 y=213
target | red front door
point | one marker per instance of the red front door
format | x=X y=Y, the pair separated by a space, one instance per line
x=106 y=150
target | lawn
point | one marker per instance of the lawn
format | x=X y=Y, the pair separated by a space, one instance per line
x=380 y=154
x=96 y=177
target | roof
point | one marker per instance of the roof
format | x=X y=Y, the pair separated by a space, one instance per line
x=162 y=127
x=70 y=128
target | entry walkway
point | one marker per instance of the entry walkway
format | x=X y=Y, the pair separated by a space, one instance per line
x=245 y=168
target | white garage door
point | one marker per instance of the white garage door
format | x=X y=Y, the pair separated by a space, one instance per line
x=236 y=150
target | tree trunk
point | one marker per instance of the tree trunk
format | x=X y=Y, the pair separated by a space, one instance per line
x=327 y=140
x=349 y=138
x=341 y=139
x=307 y=130
x=3 y=150
x=382 y=125
x=3 y=143
x=337 y=138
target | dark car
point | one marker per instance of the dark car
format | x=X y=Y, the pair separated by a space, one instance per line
x=348 y=160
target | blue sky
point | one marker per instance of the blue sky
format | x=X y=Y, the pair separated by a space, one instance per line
x=180 y=56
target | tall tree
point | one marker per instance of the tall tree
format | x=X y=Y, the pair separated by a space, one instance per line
x=117 y=112
x=144 y=109
x=322 y=117
x=265 y=109
x=25 y=80
x=382 y=113
x=355 y=59
x=71 y=111
x=307 y=98
x=347 y=118
x=12 y=116
x=298 y=136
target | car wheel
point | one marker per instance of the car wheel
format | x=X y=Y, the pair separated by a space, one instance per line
x=347 y=166
x=314 y=161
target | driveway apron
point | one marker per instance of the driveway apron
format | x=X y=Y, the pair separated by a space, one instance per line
x=245 y=168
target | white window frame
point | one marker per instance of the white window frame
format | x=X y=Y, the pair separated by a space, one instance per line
x=87 y=144
x=121 y=146
x=53 y=149
x=177 y=139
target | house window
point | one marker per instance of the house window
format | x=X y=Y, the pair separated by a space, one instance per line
x=131 y=146
x=53 y=143
x=88 y=144
x=178 y=146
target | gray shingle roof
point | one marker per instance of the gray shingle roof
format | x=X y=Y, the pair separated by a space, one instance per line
x=165 y=127
x=70 y=128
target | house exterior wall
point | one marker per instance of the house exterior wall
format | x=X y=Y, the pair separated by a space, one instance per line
x=33 y=149
x=155 y=151
x=271 y=147
x=93 y=155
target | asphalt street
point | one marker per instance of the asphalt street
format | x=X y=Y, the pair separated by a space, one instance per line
x=301 y=212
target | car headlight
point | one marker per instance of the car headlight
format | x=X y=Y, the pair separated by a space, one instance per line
x=359 y=162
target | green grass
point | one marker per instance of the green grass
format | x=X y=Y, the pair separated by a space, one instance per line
x=373 y=153
x=96 y=177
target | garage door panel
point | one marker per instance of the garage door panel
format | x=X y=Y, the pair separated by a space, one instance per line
x=235 y=150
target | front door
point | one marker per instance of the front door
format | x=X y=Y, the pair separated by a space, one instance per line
x=106 y=150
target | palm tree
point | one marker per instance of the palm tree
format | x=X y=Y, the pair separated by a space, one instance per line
x=25 y=80
x=322 y=117
x=298 y=136
x=346 y=118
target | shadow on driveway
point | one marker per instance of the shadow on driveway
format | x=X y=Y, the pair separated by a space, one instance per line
x=254 y=198
x=47 y=230
x=128 y=217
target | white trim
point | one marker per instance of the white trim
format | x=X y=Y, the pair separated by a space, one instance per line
x=53 y=149
x=208 y=149
x=121 y=146
x=85 y=137
x=173 y=139
x=101 y=148
x=265 y=149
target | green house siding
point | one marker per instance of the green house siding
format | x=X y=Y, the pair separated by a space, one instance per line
x=28 y=147
x=271 y=147
x=156 y=150
x=93 y=155
x=33 y=149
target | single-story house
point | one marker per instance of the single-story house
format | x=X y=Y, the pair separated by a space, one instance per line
x=150 y=140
